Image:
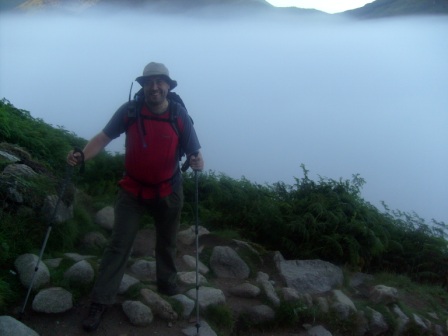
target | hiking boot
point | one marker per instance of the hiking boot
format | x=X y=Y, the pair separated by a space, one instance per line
x=92 y=321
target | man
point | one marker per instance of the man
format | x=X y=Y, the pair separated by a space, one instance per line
x=152 y=183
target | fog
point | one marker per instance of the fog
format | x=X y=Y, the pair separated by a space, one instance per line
x=266 y=94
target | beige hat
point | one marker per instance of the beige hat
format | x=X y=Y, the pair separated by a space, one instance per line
x=156 y=69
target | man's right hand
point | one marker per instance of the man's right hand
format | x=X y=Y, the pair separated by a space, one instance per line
x=74 y=157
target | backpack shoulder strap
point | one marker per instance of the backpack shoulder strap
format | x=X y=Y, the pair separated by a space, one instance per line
x=135 y=106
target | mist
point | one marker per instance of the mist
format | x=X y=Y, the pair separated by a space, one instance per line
x=266 y=94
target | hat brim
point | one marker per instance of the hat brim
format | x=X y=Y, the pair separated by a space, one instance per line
x=141 y=80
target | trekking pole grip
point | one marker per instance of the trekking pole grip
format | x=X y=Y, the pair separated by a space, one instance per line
x=186 y=164
x=79 y=150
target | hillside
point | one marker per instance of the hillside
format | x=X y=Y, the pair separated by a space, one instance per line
x=376 y=9
x=392 y=8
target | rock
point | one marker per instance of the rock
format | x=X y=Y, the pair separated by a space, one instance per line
x=26 y=265
x=188 y=236
x=310 y=276
x=204 y=330
x=420 y=323
x=268 y=288
x=19 y=169
x=53 y=300
x=342 y=304
x=105 y=218
x=191 y=263
x=126 y=283
x=318 y=331
x=207 y=296
x=402 y=320
x=290 y=294
x=158 y=305
x=9 y=326
x=9 y=156
x=383 y=294
x=137 y=313
x=377 y=323
x=94 y=240
x=144 y=270
x=81 y=273
x=187 y=304
x=226 y=263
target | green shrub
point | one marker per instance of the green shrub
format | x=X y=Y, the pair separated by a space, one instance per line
x=8 y=294
x=290 y=314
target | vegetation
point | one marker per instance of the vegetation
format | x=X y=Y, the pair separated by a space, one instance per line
x=326 y=219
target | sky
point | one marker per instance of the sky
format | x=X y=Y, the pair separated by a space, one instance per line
x=341 y=97
x=328 y=6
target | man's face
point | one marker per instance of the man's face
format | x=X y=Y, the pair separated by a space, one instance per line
x=155 y=88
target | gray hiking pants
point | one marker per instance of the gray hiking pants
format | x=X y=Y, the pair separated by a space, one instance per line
x=128 y=212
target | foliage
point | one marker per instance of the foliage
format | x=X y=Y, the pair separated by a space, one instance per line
x=327 y=219
x=294 y=313
x=342 y=327
x=42 y=141
x=7 y=294
x=220 y=316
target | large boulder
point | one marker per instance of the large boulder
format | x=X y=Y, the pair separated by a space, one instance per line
x=9 y=326
x=53 y=300
x=26 y=267
x=226 y=263
x=310 y=276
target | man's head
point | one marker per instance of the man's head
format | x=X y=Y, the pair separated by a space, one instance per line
x=156 y=83
x=156 y=69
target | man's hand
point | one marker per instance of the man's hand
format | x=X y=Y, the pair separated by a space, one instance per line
x=93 y=147
x=196 y=161
x=74 y=157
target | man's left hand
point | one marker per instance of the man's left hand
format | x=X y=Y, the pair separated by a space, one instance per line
x=197 y=162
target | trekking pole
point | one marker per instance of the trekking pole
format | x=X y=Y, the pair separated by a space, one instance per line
x=67 y=178
x=196 y=205
x=184 y=168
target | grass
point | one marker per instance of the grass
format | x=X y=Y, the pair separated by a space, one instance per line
x=294 y=313
x=417 y=297
x=220 y=317
x=8 y=292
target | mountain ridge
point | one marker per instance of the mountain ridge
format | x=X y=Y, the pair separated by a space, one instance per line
x=375 y=9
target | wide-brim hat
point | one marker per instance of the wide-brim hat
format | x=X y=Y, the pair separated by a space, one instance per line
x=156 y=69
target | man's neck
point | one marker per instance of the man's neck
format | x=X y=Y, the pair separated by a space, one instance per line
x=158 y=109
